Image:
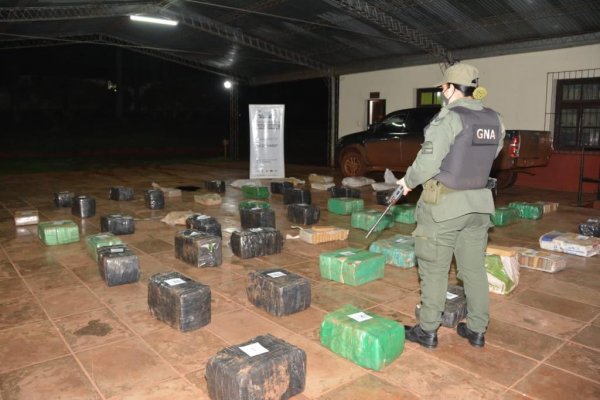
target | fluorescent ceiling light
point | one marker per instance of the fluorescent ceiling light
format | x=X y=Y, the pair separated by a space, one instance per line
x=152 y=20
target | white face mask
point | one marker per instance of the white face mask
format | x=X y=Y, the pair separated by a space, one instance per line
x=445 y=99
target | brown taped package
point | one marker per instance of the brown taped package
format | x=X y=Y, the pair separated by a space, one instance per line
x=540 y=260
x=322 y=234
x=548 y=206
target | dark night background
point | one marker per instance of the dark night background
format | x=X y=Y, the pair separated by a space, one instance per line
x=56 y=102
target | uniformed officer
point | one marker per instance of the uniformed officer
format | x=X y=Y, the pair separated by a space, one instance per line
x=453 y=212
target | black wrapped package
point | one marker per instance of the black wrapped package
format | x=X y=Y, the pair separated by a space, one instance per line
x=155 y=199
x=265 y=367
x=83 y=206
x=455 y=309
x=256 y=242
x=199 y=249
x=257 y=217
x=382 y=196
x=292 y=196
x=179 y=301
x=204 y=223
x=215 y=186
x=118 y=265
x=63 y=199
x=344 y=192
x=590 y=228
x=121 y=193
x=117 y=224
x=280 y=187
x=304 y=214
x=278 y=291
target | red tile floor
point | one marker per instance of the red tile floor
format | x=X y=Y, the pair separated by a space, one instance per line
x=65 y=334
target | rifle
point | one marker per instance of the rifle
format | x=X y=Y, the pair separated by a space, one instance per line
x=391 y=200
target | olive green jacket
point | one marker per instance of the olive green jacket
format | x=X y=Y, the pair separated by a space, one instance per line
x=439 y=138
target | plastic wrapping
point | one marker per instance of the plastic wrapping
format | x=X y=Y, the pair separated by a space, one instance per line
x=540 y=260
x=528 y=210
x=504 y=216
x=26 y=217
x=304 y=214
x=278 y=291
x=120 y=193
x=154 y=199
x=362 y=337
x=399 y=250
x=570 y=243
x=179 y=301
x=344 y=205
x=548 y=206
x=256 y=242
x=199 y=249
x=63 y=199
x=455 y=309
x=322 y=234
x=269 y=368
x=336 y=192
x=117 y=224
x=58 y=232
x=253 y=204
x=296 y=196
x=503 y=277
x=83 y=206
x=257 y=217
x=382 y=196
x=404 y=213
x=590 y=228
x=352 y=266
x=208 y=199
x=215 y=186
x=314 y=178
x=204 y=223
x=94 y=242
x=357 y=181
x=365 y=219
x=280 y=187
x=255 y=192
x=118 y=265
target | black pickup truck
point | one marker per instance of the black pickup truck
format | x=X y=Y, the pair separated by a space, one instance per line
x=394 y=142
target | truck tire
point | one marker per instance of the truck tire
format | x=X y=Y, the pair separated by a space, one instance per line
x=505 y=179
x=352 y=163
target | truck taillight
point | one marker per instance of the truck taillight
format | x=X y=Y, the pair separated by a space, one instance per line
x=514 y=146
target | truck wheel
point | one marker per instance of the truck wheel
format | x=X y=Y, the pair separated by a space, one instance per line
x=352 y=163
x=505 y=179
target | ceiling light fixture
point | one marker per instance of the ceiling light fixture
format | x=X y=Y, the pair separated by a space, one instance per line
x=227 y=84
x=153 y=20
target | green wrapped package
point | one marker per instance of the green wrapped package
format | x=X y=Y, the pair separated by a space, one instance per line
x=399 y=250
x=351 y=266
x=345 y=205
x=499 y=280
x=528 y=210
x=362 y=337
x=58 y=232
x=248 y=204
x=365 y=219
x=505 y=216
x=404 y=213
x=94 y=242
x=255 y=192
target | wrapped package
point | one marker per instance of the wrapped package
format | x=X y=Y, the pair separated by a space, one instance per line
x=505 y=216
x=540 y=260
x=315 y=178
x=278 y=291
x=26 y=217
x=503 y=277
x=255 y=192
x=95 y=242
x=208 y=199
x=265 y=367
x=322 y=186
x=179 y=301
x=362 y=337
x=352 y=266
x=570 y=243
x=117 y=224
x=257 y=217
x=171 y=192
x=304 y=214
x=154 y=199
x=591 y=227
x=528 y=210
x=83 y=206
x=256 y=242
x=118 y=265
x=365 y=219
x=215 y=186
x=383 y=195
x=199 y=249
x=322 y=234
x=399 y=250
x=293 y=196
x=280 y=187
x=404 y=213
x=455 y=309
x=121 y=193
x=176 y=217
x=63 y=199
x=345 y=205
x=204 y=223
x=253 y=204
x=357 y=181
x=548 y=206
x=336 y=192
x=58 y=232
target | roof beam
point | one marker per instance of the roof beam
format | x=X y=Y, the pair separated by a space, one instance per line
x=53 y=13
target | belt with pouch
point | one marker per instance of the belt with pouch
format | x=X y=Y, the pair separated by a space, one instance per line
x=433 y=191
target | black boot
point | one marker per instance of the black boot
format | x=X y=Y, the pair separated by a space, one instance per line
x=476 y=339
x=418 y=335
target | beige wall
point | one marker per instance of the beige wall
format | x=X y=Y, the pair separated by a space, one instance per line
x=516 y=85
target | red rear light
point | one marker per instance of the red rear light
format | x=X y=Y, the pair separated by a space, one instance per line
x=514 y=146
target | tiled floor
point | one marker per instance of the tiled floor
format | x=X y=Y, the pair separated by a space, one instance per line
x=65 y=334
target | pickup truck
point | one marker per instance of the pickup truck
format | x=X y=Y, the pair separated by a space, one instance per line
x=395 y=141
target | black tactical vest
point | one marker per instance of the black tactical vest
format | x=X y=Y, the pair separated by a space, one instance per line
x=469 y=162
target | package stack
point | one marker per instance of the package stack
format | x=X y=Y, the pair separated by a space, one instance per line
x=118 y=265
x=570 y=243
x=117 y=224
x=540 y=260
x=26 y=217
x=304 y=214
x=204 y=223
x=399 y=250
x=323 y=234
x=154 y=199
x=208 y=199
x=280 y=187
x=264 y=367
x=58 y=232
x=257 y=217
x=527 y=210
x=215 y=186
x=179 y=301
x=505 y=216
x=120 y=193
x=83 y=206
x=548 y=206
x=199 y=249
x=95 y=242
x=502 y=269
x=63 y=199
x=455 y=309
x=296 y=196
x=278 y=291
x=345 y=205
x=365 y=219
x=255 y=192
x=404 y=213
x=336 y=192
x=591 y=227
x=352 y=266
x=362 y=337
x=382 y=196
x=256 y=242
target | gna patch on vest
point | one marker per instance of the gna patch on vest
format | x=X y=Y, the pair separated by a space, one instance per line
x=485 y=134
x=427 y=147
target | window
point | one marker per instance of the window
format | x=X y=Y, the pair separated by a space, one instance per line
x=577 y=121
x=397 y=123
x=429 y=97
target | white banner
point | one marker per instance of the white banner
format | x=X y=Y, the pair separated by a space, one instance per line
x=266 y=141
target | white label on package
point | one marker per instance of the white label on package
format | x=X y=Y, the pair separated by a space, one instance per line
x=174 y=281
x=276 y=274
x=401 y=240
x=202 y=217
x=255 y=230
x=347 y=253
x=360 y=316
x=117 y=250
x=253 y=349
x=450 y=296
x=256 y=208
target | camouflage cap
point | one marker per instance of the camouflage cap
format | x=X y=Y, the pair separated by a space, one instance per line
x=461 y=74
